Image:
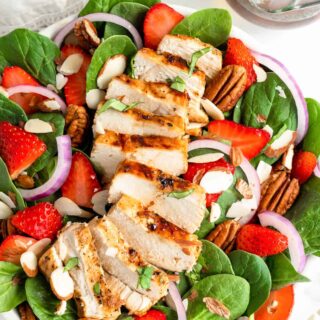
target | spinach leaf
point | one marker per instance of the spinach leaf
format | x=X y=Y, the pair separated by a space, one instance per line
x=57 y=120
x=255 y=271
x=131 y=11
x=32 y=52
x=209 y=25
x=170 y=314
x=108 y=48
x=10 y=111
x=43 y=303
x=206 y=226
x=200 y=152
x=3 y=63
x=283 y=272
x=183 y=284
x=305 y=213
x=11 y=286
x=311 y=141
x=7 y=186
x=232 y=291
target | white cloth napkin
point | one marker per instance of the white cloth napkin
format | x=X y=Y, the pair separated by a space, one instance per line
x=35 y=14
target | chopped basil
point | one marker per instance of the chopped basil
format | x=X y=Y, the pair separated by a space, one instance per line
x=72 y=262
x=145 y=275
x=96 y=289
x=180 y=194
x=117 y=105
x=195 y=57
x=178 y=84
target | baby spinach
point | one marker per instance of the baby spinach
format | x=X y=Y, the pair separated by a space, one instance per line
x=231 y=291
x=311 y=141
x=209 y=25
x=170 y=314
x=131 y=11
x=6 y=185
x=11 y=286
x=206 y=226
x=10 y=111
x=200 y=152
x=43 y=303
x=3 y=62
x=32 y=52
x=283 y=272
x=255 y=271
x=108 y=48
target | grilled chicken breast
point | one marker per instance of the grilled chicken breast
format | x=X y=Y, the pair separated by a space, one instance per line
x=169 y=155
x=159 y=242
x=138 y=122
x=153 y=188
x=151 y=67
x=120 y=260
x=49 y=262
x=156 y=98
x=184 y=47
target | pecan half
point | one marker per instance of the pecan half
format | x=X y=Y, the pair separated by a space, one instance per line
x=216 y=307
x=25 y=312
x=227 y=87
x=7 y=228
x=86 y=33
x=224 y=235
x=25 y=181
x=76 y=123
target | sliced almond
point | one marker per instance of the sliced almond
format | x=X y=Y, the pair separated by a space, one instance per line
x=215 y=212
x=212 y=110
x=263 y=170
x=71 y=65
x=288 y=157
x=236 y=156
x=61 y=284
x=281 y=144
x=4 y=92
x=38 y=126
x=29 y=264
x=40 y=247
x=99 y=201
x=209 y=157
x=7 y=200
x=244 y=189
x=61 y=81
x=216 y=307
x=216 y=181
x=52 y=88
x=49 y=105
x=260 y=72
x=67 y=207
x=5 y=211
x=281 y=92
x=268 y=129
x=113 y=67
x=242 y=208
x=94 y=97
x=61 y=308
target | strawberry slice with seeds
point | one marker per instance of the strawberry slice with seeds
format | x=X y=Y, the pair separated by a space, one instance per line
x=19 y=149
x=75 y=88
x=304 y=162
x=40 y=221
x=249 y=140
x=159 y=21
x=15 y=76
x=152 y=315
x=82 y=182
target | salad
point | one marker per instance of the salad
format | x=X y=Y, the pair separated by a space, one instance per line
x=153 y=167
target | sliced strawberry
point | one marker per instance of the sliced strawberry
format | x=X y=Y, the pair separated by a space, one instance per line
x=211 y=197
x=304 y=162
x=260 y=240
x=250 y=140
x=152 y=315
x=237 y=53
x=75 y=89
x=40 y=221
x=159 y=21
x=18 y=148
x=13 y=247
x=15 y=76
x=82 y=181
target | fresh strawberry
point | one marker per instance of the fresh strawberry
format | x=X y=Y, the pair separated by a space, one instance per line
x=152 y=315
x=75 y=89
x=18 y=148
x=13 y=247
x=249 y=140
x=159 y=21
x=238 y=53
x=40 y=221
x=304 y=163
x=196 y=169
x=261 y=241
x=82 y=181
x=15 y=76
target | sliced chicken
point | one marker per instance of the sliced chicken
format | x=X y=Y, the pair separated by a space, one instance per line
x=120 y=260
x=151 y=67
x=49 y=262
x=154 y=189
x=167 y=154
x=156 y=98
x=185 y=46
x=139 y=122
x=159 y=242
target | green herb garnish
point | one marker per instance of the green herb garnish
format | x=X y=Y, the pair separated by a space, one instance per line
x=116 y=105
x=72 y=262
x=180 y=194
x=97 y=289
x=178 y=84
x=195 y=57
x=145 y=275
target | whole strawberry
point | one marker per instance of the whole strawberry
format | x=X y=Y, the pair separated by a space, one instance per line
x=261 y=241
x=40 y=221
x=304 y=163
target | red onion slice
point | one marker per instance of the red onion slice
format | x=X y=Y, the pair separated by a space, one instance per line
x=95 y=17
x=59 y=176
x=39 y=90
x=284 y=74
x=176 y=297
x=316 y=171
x=283 y=225
x=246 y=166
